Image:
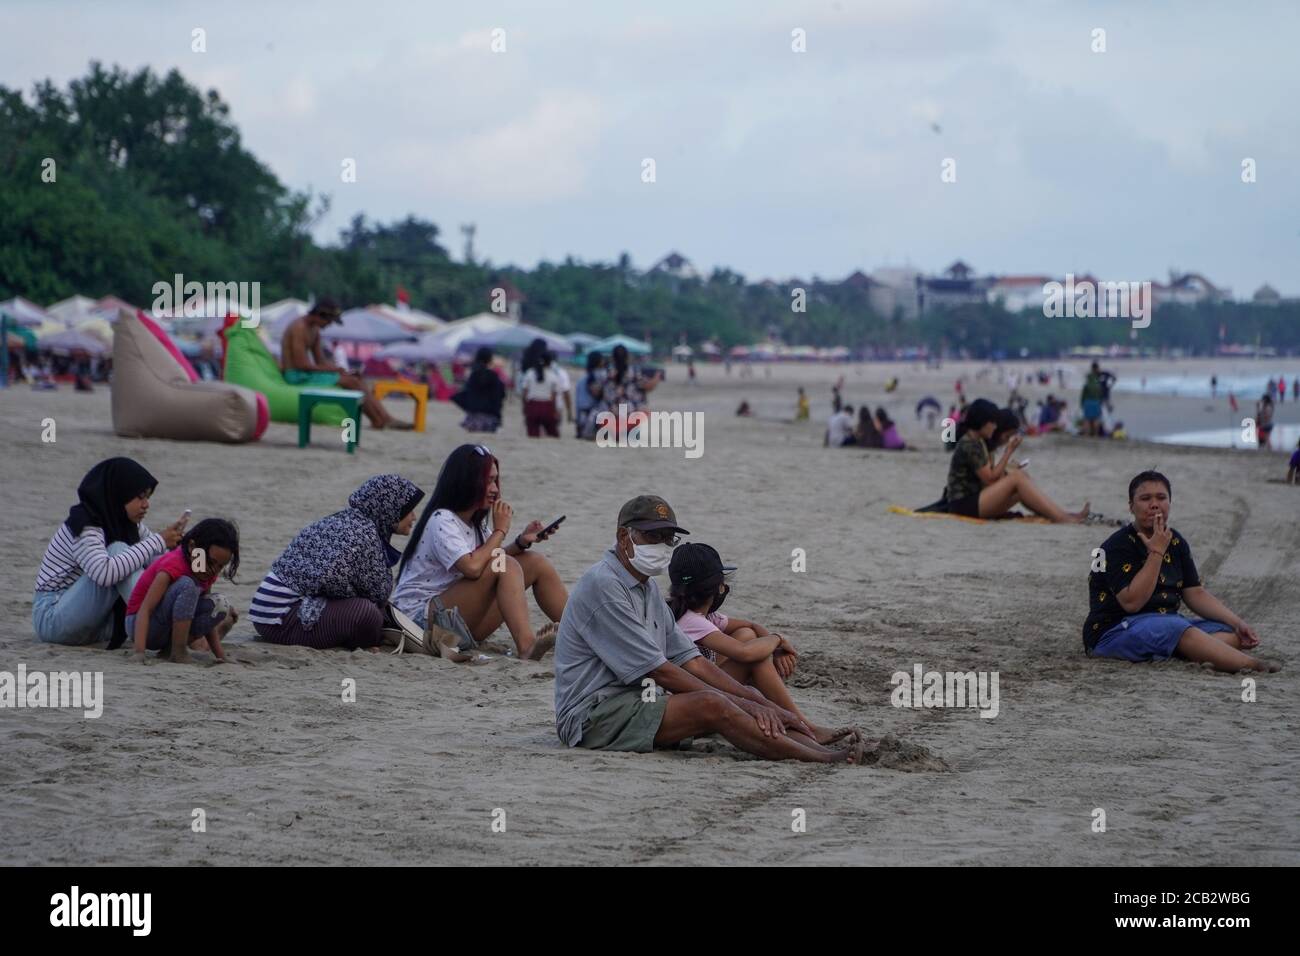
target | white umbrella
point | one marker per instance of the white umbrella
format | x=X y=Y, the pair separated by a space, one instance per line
x=70 y=341
x=24 y=312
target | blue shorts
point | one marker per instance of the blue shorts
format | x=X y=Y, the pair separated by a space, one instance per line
x=1092 y=409
x=1149 y=637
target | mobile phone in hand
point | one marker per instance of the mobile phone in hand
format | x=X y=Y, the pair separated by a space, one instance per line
x=550 y=528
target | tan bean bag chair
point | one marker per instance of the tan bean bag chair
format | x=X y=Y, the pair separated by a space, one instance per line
x=156 y=393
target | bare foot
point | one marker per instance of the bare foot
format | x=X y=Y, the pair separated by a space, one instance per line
x=180 y=655
x=544 y=642
x=199 y=644
x=828 y=735
x=1268 y=667
x=856 y=754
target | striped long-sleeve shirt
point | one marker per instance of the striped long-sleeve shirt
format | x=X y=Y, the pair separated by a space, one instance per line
x=67 y=558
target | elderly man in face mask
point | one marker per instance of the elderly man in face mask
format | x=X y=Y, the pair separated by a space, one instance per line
x=619 y=649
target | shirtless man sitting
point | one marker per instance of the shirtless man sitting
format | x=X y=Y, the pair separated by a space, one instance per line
x=302 y=360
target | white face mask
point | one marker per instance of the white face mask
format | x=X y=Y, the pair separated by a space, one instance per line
x=651 y=559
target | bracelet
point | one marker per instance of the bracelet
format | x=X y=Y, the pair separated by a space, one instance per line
x=521 y=547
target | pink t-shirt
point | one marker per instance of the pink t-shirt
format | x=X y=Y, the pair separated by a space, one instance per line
x=699 y=626
x=174 y=563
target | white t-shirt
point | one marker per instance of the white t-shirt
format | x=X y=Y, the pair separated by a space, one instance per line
x=562 y=379
x=431 y=570
x=543 y=391
x=839 y=427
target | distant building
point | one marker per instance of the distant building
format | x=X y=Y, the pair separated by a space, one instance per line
x=894 y=290
x=1187 y=288
x=1266 y=295
x=1017 y=293
x=676 y=265
x=957 y=286
x=514 y=300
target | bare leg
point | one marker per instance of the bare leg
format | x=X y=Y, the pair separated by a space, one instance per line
x=495 y=596
x=1016 y=486
x=180 y=651
x=548 y=590
x=1196 y=645
x=703 y=712
x=763 y=676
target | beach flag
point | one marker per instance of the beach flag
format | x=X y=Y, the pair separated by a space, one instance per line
x=403 y=297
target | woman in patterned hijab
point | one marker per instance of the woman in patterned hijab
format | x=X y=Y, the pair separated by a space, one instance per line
x=330 y=586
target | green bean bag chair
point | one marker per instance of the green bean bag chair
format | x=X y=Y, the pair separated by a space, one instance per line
x=247 y=362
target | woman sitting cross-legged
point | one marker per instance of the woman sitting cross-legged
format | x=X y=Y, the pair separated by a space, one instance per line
x=330 y=586
x=977 y=488
x=1146 y=572
x=461 y=576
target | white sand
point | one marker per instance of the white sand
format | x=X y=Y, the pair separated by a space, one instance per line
x=411 y=772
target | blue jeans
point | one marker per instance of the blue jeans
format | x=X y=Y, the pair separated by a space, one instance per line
x=82 y=613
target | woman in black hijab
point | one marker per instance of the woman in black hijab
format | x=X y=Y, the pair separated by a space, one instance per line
x=96 y=555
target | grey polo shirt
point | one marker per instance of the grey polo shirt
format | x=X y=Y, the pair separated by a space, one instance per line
x=614 y=631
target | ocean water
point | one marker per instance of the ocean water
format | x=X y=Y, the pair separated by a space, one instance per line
x=1284 y=438
x=1246 y=385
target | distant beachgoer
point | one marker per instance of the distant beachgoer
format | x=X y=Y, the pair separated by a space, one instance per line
x=890 y=440
x=743 y=649
x=625 y=384
x=482 y=395
x=1119 y=434
x=171 y=608
x=1271 y=388
x=839 y=429
x=539 y=386
x=690 y=372
x=96 y=556
x=302 y=360
x=802 y=408
x=837 y=402
x=330 y=586
x=1149 y=572
x=1090 y=398
x=590 y=389
x=929 y=407
x=1264 y=422
x=1295 y=388
x=1214 y=386
x=465 y=578
x=979 y=489
x=1293 y=470
x=867 y=435
x=1281 y=389
x=744 y=411
x=618 y=630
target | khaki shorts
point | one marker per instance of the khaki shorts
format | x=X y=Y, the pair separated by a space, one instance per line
x=624 y=722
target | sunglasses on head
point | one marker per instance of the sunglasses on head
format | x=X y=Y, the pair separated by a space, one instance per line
x=482 y=450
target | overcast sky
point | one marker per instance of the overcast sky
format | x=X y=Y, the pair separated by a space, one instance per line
x=774 y=163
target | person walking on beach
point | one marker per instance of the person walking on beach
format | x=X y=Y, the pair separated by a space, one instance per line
x=330 y=586
x=469 y=579
x=1264 y=422
x=1146 y=574
x=979 y=489
x=628 y=678
x=539 y=385
x=302 y=360
x=1214 y=386
x=96 y=556
x=1091 y=400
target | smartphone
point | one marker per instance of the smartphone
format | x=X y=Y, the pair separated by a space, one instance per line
x=551 y=527
x=185 y=516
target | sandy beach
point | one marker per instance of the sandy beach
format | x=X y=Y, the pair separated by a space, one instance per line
x=411 y=772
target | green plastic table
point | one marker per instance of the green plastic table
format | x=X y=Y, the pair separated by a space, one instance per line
x=348 y=400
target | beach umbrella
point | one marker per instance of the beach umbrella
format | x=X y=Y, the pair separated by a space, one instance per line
x=582 y=340
x=516 y=338
x=739 y=351
x=362 y=325
x=710 y=348
x=74 y=309
x=412 y=320
x=24 y=312
x=69 y=341
x=458 y=330
x=20 y=337
x=635 y=346
x=427 y=348
x=682 y=351
x=100 y=328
